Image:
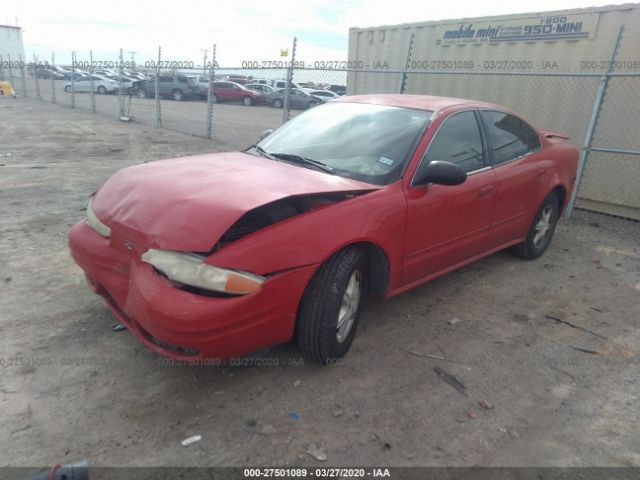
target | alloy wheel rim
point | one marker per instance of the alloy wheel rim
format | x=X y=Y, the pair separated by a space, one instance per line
x=349 y=306
x=543 y=227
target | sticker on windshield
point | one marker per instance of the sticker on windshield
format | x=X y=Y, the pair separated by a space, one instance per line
x=385 y=160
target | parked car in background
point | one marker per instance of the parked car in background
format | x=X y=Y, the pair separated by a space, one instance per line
x=339 y=89
x=177 y=87
x=46 y=73
x=61 y=70
x=259 y=81
x=100 y=85
x=231 y=91
x=130 y=85
x=326 y=94
x=203 y=85
x=283 y=84
x=239 y=79
x=262 y=88
x=105 y=72
x=297 y=99
x=221 y=255
x=75 y=76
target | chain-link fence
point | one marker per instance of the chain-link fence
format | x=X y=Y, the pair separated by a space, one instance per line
x=599 y=111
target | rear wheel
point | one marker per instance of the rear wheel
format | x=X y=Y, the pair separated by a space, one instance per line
x=102 y=90
x=142 y=93
x=331 y=305
x=177 y=95
x=277 y=103
x=67 y=89
x=214 y=99
x=541 y=229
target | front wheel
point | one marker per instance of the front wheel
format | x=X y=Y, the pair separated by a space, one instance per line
x=67 y=89
x=102 y=90
x=247 y=101
x=541 y=230
x=142 y=93
x=277 y=103
x=331 y=305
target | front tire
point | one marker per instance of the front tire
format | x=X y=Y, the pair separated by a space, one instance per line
x=67 y=89
x=277 y=103
x=541 y=229
x=102 y=90
x=331 y=305
x=247 y=101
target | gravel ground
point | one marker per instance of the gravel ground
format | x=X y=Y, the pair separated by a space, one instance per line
x=552 y=345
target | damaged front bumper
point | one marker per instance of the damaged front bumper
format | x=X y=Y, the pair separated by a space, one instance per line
x=179 y=324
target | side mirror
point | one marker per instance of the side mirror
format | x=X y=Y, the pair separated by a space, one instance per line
x=440 y=173
x=266 y=133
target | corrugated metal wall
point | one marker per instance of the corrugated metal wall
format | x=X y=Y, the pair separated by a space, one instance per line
x=611 y=182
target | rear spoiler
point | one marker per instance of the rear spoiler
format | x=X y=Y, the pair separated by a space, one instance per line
x=550 y=134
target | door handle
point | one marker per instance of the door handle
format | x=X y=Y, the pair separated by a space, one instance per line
x=486 y=190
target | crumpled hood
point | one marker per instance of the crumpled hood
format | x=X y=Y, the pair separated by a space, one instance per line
x=188 y=203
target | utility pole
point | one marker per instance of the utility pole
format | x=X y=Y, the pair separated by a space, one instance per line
x=204 y=63
x=133 y=57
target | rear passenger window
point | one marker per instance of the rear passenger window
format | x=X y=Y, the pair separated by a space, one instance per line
x=182 y=79
x=166 y=79
x=458 y=141
x=510 y=137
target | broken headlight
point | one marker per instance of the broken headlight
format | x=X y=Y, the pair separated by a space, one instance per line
x=96 y=224
x=189 y=269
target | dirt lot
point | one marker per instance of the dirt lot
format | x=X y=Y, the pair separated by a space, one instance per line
x=552 y=344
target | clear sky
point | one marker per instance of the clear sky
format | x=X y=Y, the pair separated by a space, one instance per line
x=242 y=29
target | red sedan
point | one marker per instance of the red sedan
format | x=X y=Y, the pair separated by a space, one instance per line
x=231 y=91
x=220 y=255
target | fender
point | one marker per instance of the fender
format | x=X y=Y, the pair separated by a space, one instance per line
x=373 y=217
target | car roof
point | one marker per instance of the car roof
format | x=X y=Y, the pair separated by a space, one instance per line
x=422 y=102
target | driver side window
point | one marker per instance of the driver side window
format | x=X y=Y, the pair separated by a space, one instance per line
x=457 y=141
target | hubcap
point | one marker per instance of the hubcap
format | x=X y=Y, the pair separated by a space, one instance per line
x=543 y=226
x=349 y=306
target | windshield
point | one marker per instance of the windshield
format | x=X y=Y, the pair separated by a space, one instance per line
x=370 y=143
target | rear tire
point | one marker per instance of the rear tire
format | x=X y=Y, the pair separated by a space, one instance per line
x=277 y=103
x=102 y=90
x=177 y=95
x=331 y=305
x=67 y=89
x=541 y=229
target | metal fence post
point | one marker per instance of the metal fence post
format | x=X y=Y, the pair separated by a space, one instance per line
x=157 y=90
x=403 y=76
x=287 y=93
x=120 y=85
x=53 y=80
x=35 y=76
x=10 y=70
x=593 y=121
x=22 y=77
x=210 y=94
x=92 y=85
x=73 y=79
x=1 y=68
